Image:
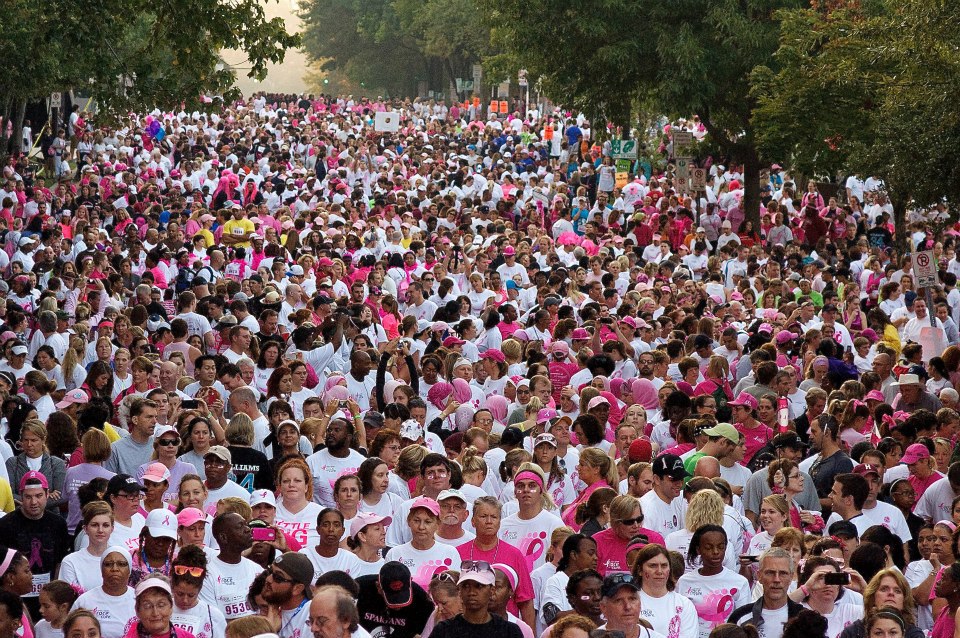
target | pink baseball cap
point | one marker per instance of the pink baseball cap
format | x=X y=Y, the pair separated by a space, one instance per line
x=190 y=516
x=494 y=354
x=427 y=504
x=595 y=401
x=34 y=477
x=747 y=400
x=73 y=397
x=914 y=453
x=156 y=473
x=580 y=334
x=784 y=336
x=874 y=395
x=362 y=519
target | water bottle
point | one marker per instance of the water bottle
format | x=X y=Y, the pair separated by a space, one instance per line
x=783 y=413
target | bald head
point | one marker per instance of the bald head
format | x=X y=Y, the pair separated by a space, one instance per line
x=707 y=467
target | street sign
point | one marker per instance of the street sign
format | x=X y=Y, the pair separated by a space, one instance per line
x=522 y=78
x=386 y=121
x=682 y=140
x=56 y=99
x=623 y=149
x=925 y=266
x=477 y=74
x=683 y=169
x=698 y=179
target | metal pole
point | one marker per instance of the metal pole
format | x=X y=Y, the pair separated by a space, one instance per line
x=928 y=295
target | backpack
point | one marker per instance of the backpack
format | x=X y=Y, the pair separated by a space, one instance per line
x=184 y=279
x=724 y=412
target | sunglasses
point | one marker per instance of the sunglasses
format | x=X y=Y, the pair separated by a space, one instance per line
x=631 y=521
x=168 y=442
x=446 y=577
x=278 y=578
x=475 y=566
x=183 y=570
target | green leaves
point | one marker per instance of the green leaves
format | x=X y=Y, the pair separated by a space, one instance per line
x=169 y=50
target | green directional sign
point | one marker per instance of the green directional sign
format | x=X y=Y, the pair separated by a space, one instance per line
x=623 y=149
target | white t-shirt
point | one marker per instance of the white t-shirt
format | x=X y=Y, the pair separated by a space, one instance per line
x=343 y=560
x=326 y=469
x=302 y=525
x=773 y=621
x=672 y=615
x=663 y=518
x=715 y=597
x=934 y=505
x=227 y=489
x=841 y=616
x=531 y=537
x=115 y=613
x=916 y=573
x=759 y=544
x=128 y=537
x=423 y=564
x=203 y=620
x=226 y=586
x=82 y=568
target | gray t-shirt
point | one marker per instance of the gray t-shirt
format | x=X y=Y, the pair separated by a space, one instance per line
x=757 y=489
x=127 y=455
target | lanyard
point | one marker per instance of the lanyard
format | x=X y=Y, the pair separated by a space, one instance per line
x=292 y=616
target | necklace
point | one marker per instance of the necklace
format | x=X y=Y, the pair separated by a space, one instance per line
x=496 y=550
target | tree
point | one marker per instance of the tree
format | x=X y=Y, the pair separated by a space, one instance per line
x=688 y=56
x=868 y=88
x=395 y=44
x=133 y=55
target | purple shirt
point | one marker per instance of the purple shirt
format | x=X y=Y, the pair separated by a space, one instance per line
x=77 y=477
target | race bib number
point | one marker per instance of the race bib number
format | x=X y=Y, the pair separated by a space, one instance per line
x=39 y=580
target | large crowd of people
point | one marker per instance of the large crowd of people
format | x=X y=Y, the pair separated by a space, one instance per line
x=279 y=368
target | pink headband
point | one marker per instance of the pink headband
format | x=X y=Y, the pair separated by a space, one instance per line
x=529 y=476
x=5 y=565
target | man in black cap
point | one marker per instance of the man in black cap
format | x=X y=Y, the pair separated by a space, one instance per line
x=787 y=445
x=288 y=586
x=663 y=506
x=475 y=584
x=391 y=604
x=620 y=604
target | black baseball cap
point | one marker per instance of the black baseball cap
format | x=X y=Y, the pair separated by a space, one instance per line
x=845 y=529
x=615 y=582
x=669 y=465
x=396 y=585
x=123 y=483
x=788 y=439
x=511 y=436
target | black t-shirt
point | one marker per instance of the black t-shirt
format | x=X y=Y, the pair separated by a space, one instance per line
x=879 y=237
x=382 y=622
x=44 y=542
x=457 y=627
x=251 y=468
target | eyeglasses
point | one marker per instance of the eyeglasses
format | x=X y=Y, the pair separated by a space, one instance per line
x=115 y=564
x=631 y=521
x=620 y=579
x=215 y=461
x=437 y=474
x=129 y=497
x=168 y=442
x=183 y=570
x=278 y=578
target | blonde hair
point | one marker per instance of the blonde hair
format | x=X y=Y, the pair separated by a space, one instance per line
x=597 y=458
x=706 y=508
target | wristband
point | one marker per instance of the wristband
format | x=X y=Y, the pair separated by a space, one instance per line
x=806 y=592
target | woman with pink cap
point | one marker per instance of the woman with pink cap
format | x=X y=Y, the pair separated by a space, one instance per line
x=367 y=538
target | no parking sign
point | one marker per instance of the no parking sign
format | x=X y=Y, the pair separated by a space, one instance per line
x=925 y=267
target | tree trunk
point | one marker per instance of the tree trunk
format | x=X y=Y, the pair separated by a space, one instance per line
x=751 y=186
x=899 y=221
x=19 y=111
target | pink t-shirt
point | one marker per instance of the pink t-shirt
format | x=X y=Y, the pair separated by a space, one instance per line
x=755 y=438
x=612 y=550
x=507 y=554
